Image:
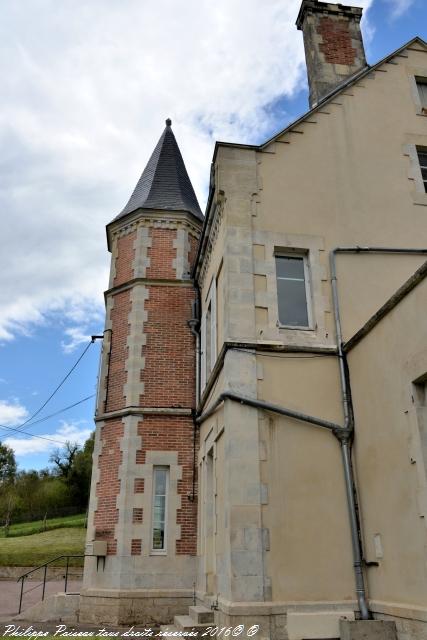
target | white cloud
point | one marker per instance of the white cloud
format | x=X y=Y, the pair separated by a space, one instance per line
x=76 y=336
x=68 y=431
x=12 y=413
x=82 y=107
x=399 y=7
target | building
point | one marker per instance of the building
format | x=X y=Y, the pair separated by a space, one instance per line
x=261 y=442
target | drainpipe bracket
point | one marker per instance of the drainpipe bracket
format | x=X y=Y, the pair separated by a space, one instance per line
x=345 y=436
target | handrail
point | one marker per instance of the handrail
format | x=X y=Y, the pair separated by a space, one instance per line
x=45 y=565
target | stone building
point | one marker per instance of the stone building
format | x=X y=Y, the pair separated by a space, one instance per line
x=261 y=441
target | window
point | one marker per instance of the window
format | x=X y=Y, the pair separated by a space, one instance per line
x=422 y=92
x=208 y=335
x=422 y=158
x=293 y=290
x=160 y=491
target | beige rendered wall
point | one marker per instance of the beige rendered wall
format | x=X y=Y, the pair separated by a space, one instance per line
x=346 y=176
x=389 y=458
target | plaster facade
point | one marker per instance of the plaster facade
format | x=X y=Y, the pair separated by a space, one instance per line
x=267 y=539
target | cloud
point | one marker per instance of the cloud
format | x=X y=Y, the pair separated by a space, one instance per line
x=75 y=336
x=83 y=106
x=68 y=431
x=12 y=413
x=399 y=7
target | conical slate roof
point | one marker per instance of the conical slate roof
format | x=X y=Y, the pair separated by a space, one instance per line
x=164 y=183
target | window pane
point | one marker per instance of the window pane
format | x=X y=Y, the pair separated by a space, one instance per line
x=422 y=90
x=160 y=475
x=422 y=156
x=290 y=267
x=158 y=537
x=159 y=508
x=292 y=303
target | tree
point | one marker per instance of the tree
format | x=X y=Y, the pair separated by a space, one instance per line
x=7 y=481
x=64 y=459
x=7 y=464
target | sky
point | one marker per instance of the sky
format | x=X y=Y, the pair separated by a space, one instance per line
x=86 y=88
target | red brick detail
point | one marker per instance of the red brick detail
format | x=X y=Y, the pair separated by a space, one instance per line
x=161 y=254
x=169 y=369
x=336 y=46
x=137 y=514
x=136 y=546
x=175 y=433
x=108 y=486
x=125 y=258
x=192 y=254
x=138 y=485
x=117 y=375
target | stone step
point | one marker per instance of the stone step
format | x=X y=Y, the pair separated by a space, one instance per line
x=185 y=623
x=201 y=614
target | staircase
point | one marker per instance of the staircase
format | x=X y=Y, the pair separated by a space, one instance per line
x=199 y=619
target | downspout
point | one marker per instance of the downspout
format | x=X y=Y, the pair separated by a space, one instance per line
x=194 y=326
x=345 y=436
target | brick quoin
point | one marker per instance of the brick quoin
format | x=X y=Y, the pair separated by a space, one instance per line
x=336 y=46
x=108 y=485
x=175 y=433
x=169 y=371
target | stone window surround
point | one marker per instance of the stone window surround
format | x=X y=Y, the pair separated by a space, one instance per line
x=419 y=195
x=416 y=73
x=313 y=246
x=210 y=301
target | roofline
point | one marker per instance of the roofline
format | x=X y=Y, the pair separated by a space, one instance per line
x=355 y=78
x=140 y=210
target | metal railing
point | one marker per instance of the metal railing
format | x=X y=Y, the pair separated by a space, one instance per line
x=43 y=582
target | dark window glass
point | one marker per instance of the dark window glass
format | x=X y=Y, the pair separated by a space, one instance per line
x=422 y=158
x=422 y=90
x=291 y=291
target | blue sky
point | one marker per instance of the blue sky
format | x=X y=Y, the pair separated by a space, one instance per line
x=82 y=107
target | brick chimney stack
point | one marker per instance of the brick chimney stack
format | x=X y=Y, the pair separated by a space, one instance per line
x=333 y=45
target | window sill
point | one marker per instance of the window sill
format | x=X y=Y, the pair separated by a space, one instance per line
x=158 y=553
x=285 y=327
x=420 y=198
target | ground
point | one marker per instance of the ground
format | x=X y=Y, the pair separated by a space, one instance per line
x=33 y=550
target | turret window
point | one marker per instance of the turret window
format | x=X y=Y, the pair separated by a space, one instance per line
x=159 y=515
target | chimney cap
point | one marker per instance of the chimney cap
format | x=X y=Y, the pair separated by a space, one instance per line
x=316 y=6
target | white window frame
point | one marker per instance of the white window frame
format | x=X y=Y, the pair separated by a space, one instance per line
x=164 y=551
x=209 y=302
x=307 y=281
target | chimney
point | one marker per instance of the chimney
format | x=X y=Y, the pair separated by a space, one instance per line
x=333 y=45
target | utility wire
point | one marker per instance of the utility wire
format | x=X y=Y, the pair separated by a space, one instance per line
x=36 y=413
x=32 y=435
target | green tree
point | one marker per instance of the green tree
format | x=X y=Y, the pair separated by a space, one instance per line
x=7 y=464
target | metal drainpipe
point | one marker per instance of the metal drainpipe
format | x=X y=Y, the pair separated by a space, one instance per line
x=345 y=436
x=193 y=324
x=345 y=440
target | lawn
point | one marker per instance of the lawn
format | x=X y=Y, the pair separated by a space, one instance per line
x=38 y=526
x=33 y=550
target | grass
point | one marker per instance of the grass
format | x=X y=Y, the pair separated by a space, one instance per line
x=31 y=551
x=38 y=526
